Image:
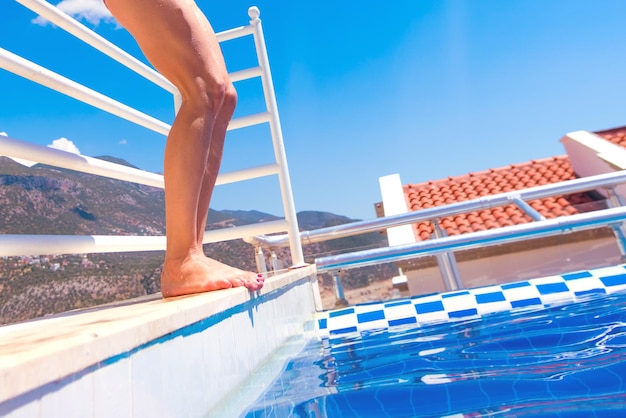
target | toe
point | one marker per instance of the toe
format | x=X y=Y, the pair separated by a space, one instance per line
x=254 y=283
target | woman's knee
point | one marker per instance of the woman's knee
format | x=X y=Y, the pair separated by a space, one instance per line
x=230 y=100
x=211 y=96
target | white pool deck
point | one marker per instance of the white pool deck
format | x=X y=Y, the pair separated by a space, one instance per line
x=150 y=357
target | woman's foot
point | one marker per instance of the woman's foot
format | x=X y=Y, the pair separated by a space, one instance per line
x=198 y=273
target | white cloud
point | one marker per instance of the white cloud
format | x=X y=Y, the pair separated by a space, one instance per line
x=92 y=11
x=123 y=142
x=65 y=145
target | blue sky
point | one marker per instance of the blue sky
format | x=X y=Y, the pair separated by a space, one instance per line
x=423 y=88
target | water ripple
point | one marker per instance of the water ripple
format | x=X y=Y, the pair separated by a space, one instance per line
x=562 y=361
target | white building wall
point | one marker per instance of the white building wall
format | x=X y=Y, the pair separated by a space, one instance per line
x=590 y=155
x=394 y=203
x=567 y=257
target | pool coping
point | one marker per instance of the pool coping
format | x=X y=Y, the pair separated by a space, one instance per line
x=49 y=349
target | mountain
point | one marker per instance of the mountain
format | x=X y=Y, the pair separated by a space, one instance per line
x=217 y=218
x=116 y=160
x=48 y=200
x=308 y=220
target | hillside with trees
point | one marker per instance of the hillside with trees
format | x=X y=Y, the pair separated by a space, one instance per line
x=47 y=200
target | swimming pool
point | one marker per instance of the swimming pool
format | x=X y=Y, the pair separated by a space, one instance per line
x=564 y=360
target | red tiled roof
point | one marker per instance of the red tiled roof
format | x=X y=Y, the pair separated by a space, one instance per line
x=493 y=181
x=616 y=135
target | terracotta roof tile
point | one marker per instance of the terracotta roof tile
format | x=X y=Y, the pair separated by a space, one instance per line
x=615 y=135
x=493 y=181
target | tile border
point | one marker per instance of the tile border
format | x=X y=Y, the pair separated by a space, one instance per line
x=471 y=303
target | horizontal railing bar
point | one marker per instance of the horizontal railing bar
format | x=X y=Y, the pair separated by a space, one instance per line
x=54 y=81
x=12 y=245
x=249 y=120
x=80 y=31
x=238 y=232
x=481 y=203
x=247 y=174
x=21 y=245
x=11 y=147
x=246 y=74
x=550 y=227
x=59 y=158
x=70 y=25
x=234 y=33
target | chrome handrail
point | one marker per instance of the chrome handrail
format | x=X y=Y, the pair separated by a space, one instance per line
x=484 y=202
x=538 y=229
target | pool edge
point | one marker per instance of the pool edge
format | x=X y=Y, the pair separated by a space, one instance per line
x=45 y=363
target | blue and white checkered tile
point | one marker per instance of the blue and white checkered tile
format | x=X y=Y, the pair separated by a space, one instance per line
x=464 y=304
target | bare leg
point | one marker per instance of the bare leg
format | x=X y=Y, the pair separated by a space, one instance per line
x=179 y=41
x=208 y=182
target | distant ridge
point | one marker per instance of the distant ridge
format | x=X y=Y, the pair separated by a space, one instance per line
x=33 y=198
x=308 y=220
x=115 y=160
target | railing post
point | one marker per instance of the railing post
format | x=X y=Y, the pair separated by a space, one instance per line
x=528 y=210
x=341 y=297
x=295 y=245
x=615 y=201
x=447 y=263
x=275 y=262
x=260 y=261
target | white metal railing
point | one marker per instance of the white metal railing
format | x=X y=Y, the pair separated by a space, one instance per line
x=60 y=19
x=16 y=245
x=27 y=69
x=59 y=244
x=613 y=217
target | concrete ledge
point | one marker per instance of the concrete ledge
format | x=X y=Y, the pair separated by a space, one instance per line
x=42 y=358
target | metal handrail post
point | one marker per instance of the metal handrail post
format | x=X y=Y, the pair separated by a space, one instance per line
x=447 y=263
x=274 y=262
x=295 y=245
x=529 y=210
x=261 y=266
x=339 y=294
x=615 y=201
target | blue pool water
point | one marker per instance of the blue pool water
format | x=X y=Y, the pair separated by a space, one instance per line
x=565 y=361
